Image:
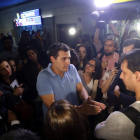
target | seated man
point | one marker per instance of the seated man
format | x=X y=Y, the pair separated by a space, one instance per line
x=118 y=126
x=60 y=80
x=121 y=96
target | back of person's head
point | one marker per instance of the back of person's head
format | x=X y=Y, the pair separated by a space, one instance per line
x=25 y=36
x=114 y=38
x=63 y=122
x=20 y=134
x=133 y=60
x=36 y=44
x=132 y=41
x=22 y=50
x=133 y=34
x=56 y=47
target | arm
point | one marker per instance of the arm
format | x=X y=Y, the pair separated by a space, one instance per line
x=81 y=91
x=124 y=99
x=114 y=29
x=127 y=28
x=48 y=99
x=110 y=93
x=45 y=89
x=96 y=36
x=106 y=83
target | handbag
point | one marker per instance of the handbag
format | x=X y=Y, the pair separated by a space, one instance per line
x=23 y=110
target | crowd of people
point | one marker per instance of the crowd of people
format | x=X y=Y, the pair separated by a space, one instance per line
x=77 y=93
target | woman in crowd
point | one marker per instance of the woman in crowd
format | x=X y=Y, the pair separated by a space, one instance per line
x=90 y=76
x=11 y=95
x=81 y=50
x=34 y=65
x=63 y=122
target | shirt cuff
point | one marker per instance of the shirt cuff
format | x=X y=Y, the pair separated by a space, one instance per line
x=121 y=97
x=15 y=122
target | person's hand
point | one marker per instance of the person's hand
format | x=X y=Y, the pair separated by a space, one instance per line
x=104 y=64
x=101 y=105
x=11 y=116
x=90 y=107
x=1 y=93
x=114 y=72
x=117 y=91
x=18 y=91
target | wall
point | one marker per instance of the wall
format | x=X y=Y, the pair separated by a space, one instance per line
x=56 y=12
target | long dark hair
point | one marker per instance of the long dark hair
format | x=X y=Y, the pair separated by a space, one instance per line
x=36 y=52
x=85 y=59
x=12 y=77
x=98 y=69
x=64 y=122
x=32 y=67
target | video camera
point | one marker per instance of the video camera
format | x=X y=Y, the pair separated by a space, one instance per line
x=102 y=17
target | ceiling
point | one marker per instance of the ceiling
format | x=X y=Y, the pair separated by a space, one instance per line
x=5 y=4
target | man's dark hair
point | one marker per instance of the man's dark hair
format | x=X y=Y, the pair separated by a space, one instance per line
x=56 y=47
x=132 y=41
x=6 y=38
x=20 y=134
x=133 y=60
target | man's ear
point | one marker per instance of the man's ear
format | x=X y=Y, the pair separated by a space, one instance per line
x=137 y=73
x=115 y=48
x=52 y=59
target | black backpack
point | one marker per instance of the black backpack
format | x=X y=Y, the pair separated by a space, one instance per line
x=134 y=116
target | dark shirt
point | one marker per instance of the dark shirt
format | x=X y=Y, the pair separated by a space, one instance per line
x=8 y=100
x=30 y=72
x=126 y=97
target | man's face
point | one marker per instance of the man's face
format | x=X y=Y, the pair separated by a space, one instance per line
x=128 y=77
x=128 y=48
x=8 y=44
x=61 y=63
x=109 y=47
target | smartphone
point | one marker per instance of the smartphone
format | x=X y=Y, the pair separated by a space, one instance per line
x=117 y=65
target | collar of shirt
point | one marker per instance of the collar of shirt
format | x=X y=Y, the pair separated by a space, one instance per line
x=52 y=73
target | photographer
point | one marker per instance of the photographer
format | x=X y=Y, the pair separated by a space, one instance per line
x=97 y=43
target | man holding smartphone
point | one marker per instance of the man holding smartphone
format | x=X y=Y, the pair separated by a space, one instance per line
x=109 y=57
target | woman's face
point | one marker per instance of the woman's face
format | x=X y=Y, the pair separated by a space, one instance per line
x=5 y=69
x=32 y=55
x=90 y=66
x=13 y=65
x=82 y=53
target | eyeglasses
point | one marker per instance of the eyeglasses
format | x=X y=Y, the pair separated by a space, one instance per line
x=91 y=65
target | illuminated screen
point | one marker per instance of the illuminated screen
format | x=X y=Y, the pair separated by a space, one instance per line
x=28 y=21
x=31 y=13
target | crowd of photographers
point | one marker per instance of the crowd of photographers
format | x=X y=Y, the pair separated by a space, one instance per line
x=70 y=90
